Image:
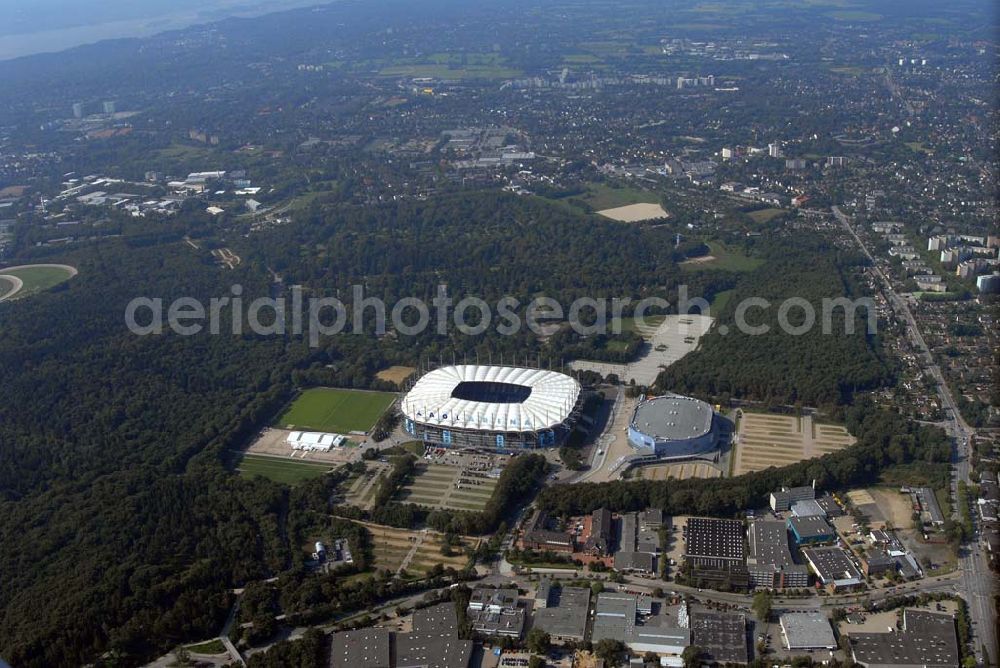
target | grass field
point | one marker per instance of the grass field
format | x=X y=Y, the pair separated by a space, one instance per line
x=287 y=471
x=335 y=410
x=719 y=302
x=765 y=215
x=726 y=259
x=214 y=646
x=650 y=325
x=35 y=278
x=600 y=196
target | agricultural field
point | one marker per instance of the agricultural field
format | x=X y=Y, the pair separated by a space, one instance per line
x=335 y=410
x=396 y=374
x=281 y=470
x=26 y=280
x=416 y=552
x=766 y=440
x=440 y=486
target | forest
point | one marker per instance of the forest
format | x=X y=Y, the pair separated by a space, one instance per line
x=814 y=368
x=112 y=445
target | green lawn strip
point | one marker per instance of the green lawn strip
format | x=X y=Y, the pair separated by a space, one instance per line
x=279 y=470
x=214 y=646
x=464 y=506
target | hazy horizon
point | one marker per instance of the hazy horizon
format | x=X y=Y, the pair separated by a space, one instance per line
x=47 y=26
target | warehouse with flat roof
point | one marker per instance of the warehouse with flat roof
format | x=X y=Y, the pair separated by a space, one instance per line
x=807 y=631
x=928 y=640
x=565 y=611
x=833 y=567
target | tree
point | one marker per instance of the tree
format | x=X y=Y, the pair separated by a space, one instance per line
x=536 y=662
x=762 y=605
x=691 y=656
x=610 y=650
x=538 y=641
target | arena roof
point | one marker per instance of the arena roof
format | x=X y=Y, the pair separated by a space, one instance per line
x=493 y=398
x=673 y=417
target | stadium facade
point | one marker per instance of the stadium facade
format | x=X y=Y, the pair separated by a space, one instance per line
x=673 y=427
x=492 y=407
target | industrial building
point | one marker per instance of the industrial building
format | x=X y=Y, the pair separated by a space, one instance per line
x=715 y=552
x=810 y=530
x=834 y=568
x=808 y=508
x=434 y=642
x=562 y=611
x=638 y=543
x=496 y=407
x=721 y=636
x=769 y=560
x=930 y=510
x=807 y=631
x=616 y=616
x=782 y=500
x=714 y=542
x=495 y=612
x=927 y=640
x=673 y=427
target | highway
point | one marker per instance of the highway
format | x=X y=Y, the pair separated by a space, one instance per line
x=977 y=579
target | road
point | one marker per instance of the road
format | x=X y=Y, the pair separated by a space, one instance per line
x=977 y=579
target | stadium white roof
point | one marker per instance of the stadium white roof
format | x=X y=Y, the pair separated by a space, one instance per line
x=546 y=398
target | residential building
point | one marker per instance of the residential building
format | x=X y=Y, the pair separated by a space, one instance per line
x=600 y=542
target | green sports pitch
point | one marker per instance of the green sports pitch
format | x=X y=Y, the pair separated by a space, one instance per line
x=334 y=410
x=287 y=471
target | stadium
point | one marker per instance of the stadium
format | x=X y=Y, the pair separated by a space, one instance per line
x=673 y=427
x=496 y=407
